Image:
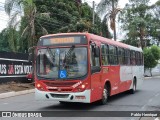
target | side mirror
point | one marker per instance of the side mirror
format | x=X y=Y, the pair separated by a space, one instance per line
x=96 y=51
x=31 y=54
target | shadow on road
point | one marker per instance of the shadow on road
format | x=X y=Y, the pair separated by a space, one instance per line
x=122 y=95
x=71 y=106
x=85 y=106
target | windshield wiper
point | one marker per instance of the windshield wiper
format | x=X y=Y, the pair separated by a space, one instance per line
x=68 y=53
x=51 y=55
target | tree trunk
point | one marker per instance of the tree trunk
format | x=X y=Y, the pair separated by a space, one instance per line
x=114 y=28
x=150 y=69
x=142 y=41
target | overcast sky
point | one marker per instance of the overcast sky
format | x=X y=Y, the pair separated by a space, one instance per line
x=4 y=17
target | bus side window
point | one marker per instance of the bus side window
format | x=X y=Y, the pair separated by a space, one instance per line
x=138 y=58
x=127 y=57
x=115 y=55
x=141 y=59
x=121 y=56
x=104 y=55
x=94 y=60
x=133 y=59
x=111 y=54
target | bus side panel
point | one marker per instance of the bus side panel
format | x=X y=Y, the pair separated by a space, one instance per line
x=126 y=78
x=111 y=74
x=96 y=90
x=138 y=72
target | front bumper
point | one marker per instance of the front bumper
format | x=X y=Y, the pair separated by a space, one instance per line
x=68 y=97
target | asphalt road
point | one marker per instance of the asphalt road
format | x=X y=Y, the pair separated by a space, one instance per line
x=145 y=99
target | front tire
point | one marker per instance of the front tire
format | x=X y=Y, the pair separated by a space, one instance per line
x=105 y=96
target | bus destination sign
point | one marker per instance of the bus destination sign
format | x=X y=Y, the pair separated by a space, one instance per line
x=63 y=40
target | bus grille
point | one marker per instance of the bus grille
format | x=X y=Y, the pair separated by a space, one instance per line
x=59 y=95
x=62 y=90
x=60 y=84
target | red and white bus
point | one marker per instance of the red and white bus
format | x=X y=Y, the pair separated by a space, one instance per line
x=82 y=67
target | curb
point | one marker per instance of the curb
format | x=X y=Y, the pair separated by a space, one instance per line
x=13 y=93
x=152 y=77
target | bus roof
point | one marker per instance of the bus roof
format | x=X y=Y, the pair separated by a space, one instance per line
x=99 y=38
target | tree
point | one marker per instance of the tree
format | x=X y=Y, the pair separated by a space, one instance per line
x=155 y=10
x=105 y=31
x=151 y=57
x=29 y=10
x=4 y=44
x=68 y=16
x=104 y=7
x=137 y=22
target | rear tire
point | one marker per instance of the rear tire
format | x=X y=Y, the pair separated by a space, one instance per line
x=105 y=96
x=133 y=90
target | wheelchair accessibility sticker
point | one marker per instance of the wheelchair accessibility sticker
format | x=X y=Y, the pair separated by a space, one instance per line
x=62 y=74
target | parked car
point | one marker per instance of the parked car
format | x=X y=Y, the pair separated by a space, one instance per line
x=29 y=77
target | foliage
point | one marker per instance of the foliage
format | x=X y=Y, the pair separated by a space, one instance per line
x=9 y=40
x=29 y=11
x=151 y=56
x=47 y=16
x=105 y=31
x=110 y=9
x=68 y=16
x=138 y=22
x=4 y=44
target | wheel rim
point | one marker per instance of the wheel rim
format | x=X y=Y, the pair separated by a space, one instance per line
x=105 y=94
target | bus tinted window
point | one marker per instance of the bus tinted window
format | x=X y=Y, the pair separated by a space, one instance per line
x=104 y=55
x=127 y=57
x=141 y=59
x=133 y=58
x=121 y=56
x=113 y=59
x=95 y=61
x=138 y=58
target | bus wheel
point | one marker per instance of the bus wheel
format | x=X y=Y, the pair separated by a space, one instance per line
x=105 y=96
x=133 y=90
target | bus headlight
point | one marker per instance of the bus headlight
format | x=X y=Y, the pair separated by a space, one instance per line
x=81 y=88
x=39 y=87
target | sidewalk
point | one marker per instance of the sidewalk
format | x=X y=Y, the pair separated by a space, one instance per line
x=13 y=93
x=14 y=89
x=152 y=77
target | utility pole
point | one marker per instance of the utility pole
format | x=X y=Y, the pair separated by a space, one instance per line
x=114 y=21
x=93 y=12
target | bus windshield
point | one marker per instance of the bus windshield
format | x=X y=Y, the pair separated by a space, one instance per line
x=62 y=63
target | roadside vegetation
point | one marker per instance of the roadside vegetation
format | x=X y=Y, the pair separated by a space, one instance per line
x=30 y=19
